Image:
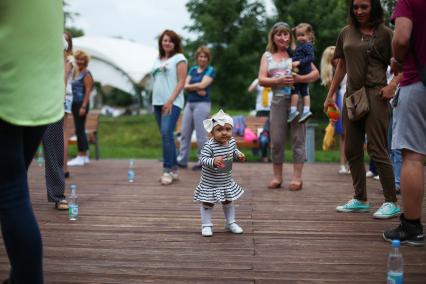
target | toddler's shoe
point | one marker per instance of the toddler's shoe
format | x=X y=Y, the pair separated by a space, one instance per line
x=292 y=116
x=234 y=228
x=206 y=231
x=305 y=116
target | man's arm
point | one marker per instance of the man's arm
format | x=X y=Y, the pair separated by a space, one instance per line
x=400 y=43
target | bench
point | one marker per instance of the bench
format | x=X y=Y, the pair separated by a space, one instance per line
x=252 y=122
x=92 y=123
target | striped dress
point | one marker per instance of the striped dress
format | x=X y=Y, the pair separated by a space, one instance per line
x=217 y=185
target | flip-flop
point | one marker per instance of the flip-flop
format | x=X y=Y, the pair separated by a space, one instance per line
x=295 y=186
x=274 y=184
x=61 y=205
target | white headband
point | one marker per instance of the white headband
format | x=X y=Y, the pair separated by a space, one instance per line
x=220 y=118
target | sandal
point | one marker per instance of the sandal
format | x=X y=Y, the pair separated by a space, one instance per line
x=61 y=205
x=274 y=184
x=295 y=186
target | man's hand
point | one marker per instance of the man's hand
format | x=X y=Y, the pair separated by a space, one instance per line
x=396 y=66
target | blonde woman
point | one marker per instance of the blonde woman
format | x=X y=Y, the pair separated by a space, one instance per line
x=82 y=85
x=328 y=65
x=275 y=72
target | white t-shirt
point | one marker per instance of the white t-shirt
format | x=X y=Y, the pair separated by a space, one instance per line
x=165 y=80
x=260 y=104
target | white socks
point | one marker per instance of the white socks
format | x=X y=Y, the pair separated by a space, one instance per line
x=206 y=216
x=229 y=210
x=293 y=109
x=306 y=109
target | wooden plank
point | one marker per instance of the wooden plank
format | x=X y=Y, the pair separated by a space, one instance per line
x=148 y=233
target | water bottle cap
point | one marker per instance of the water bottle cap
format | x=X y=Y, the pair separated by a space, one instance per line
x=395 y=243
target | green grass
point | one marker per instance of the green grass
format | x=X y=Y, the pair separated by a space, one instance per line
x=137 y=137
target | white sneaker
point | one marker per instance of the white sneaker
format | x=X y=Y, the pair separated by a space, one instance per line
x=76 y=162
x=206 y=231
x=369 y=174
x=166 y=179
x=376 y=177
x=234 y=228
x=86 y=160
x=344 y=170
x=174 y=175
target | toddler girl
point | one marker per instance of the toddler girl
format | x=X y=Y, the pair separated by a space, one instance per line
x=302 y=59
x=216 y=183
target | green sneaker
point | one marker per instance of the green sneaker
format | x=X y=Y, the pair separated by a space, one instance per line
x=387 y=210
x=353 y=205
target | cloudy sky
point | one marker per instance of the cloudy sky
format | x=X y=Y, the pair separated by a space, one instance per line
x=139 y=20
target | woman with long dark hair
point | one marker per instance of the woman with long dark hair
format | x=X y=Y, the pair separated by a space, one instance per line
x=364 y=50
x=169 y=75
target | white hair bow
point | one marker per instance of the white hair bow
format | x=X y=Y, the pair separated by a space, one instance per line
x=220 y=118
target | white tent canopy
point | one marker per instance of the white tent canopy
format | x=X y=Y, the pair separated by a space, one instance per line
x=118 y=63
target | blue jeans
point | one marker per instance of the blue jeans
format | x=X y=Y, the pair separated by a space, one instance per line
x=19 y=227
x=167 y=125
x=395 y=155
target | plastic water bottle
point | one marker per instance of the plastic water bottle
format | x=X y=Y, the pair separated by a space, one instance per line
x=395 y=265
x=131 y=171
x=72 y=204
x=40 y=156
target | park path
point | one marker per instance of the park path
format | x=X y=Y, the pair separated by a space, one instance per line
x=148 y=233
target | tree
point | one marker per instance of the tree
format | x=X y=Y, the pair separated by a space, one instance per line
x=235 y=32
x=68 y=18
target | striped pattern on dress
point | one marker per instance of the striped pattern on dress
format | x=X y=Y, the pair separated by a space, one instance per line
x=217 y=185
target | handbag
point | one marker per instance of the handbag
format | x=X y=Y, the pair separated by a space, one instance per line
x=357 y=103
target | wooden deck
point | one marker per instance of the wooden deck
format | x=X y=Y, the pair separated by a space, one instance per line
x=148 y=233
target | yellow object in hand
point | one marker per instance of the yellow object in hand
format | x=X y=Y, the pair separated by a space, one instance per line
x=328 y=140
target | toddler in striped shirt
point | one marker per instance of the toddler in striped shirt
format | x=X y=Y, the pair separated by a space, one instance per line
x=216 y=182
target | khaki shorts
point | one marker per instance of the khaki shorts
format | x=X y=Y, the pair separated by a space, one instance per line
x=409 y=119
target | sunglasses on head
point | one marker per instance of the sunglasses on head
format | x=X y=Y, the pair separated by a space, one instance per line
x=281 y=25
x=362 y=7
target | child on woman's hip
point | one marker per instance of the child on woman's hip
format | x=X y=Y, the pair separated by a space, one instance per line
x=216 y=183
x=303 y=57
